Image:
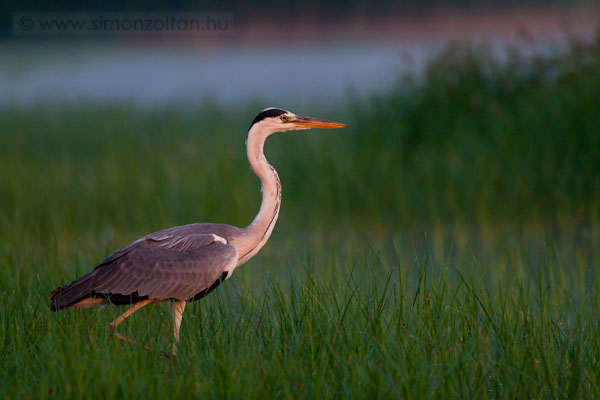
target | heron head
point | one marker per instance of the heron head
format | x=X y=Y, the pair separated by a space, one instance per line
x=277 y=120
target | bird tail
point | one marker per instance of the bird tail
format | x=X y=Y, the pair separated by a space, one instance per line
x=76 y=294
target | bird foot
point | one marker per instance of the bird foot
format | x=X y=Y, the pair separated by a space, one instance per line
x=167 y=354
x=125 y=338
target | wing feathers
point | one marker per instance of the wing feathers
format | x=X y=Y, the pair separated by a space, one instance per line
x=161 y=266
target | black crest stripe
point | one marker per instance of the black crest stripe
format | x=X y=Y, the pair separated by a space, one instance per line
x=269 y=112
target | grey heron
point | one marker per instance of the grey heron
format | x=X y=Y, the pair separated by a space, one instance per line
x=187 y=262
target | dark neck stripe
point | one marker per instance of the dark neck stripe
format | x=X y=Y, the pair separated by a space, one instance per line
x=275 y=212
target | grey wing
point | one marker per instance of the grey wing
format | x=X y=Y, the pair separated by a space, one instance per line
x=171 y=264
x=178 y=236
x=167 y=267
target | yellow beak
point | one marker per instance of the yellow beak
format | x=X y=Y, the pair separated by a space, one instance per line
x=308 y=123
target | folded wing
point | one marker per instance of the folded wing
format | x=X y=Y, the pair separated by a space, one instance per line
x=163 y=265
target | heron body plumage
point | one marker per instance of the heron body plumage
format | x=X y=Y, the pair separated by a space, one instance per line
x=187 y=262
x=174 y=264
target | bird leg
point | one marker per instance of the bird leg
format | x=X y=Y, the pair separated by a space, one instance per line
x=177 y=306
x=110 y=328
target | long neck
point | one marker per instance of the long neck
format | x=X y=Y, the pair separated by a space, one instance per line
x=257 y=233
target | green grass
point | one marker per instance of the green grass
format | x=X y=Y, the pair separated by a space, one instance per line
x=447 y=315
x=445 y=245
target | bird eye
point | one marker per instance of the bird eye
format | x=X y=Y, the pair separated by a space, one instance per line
x=284 y=118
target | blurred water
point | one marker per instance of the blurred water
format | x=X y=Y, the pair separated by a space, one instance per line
x=160 y=75
x=155 y=75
